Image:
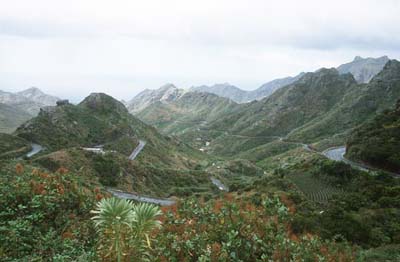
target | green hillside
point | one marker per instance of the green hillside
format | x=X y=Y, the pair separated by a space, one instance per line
x=377 y=142
x=11 y=117
x=187 y=116
x=164 y=167
x=191 y=110
x=12 y=146
x=290 y=107
x=320 y=108
x=360 y=103
x=101 y=120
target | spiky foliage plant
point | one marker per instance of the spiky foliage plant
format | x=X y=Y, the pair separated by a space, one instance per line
x=124 y=228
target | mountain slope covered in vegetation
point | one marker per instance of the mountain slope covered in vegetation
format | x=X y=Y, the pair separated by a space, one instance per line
x=100 y=120
x=377 y=142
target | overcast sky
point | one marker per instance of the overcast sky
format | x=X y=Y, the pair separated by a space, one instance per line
x=73 y=47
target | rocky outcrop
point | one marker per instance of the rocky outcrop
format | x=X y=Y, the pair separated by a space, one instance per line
x=364 y=69
x=166 y=93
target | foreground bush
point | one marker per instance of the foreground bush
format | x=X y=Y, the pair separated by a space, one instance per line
x=44 y=216
x=230 y=230
x=124 y=229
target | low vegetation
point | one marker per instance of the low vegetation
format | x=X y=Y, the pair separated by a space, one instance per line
x=377 y=142
x=45 y=215
x=12 y=146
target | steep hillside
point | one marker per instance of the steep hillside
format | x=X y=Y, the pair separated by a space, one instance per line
x=12 y=146
x=101 y=120
x=290 y=107
x=223 y=90
x=377 y=142
x=359 y=103
x=242 y=96
x=11 y=117
x=269 y=88
x=320 y=108
x=192 y=109
x=166 y=93
x=188 y=116
x=364 y=69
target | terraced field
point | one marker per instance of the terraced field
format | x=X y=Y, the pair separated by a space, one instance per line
x=315 y=189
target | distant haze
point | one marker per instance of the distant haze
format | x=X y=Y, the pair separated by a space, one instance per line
x=71 y=48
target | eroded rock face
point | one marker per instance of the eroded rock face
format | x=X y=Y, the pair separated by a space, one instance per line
x=364 y=69
x=166 y=94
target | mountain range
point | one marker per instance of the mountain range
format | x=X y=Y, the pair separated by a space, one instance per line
x=363 y=70
x=242 y=96
x=320 y=107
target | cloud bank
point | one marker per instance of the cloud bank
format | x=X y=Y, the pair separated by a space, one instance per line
x=70 y=48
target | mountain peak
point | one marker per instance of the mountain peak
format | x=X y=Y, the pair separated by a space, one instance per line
x=166 y=93
x=363 y=69
x=103 y=102
x=29 y=100
x=32 y=90
x=168 y=86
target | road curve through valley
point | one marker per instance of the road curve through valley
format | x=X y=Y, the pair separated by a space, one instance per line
x=140 y=198
x=137 y=150
x=35 y=149
x=219 y=184
x=137 y=197
x=337 y=154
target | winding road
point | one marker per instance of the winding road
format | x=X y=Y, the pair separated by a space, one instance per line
x=137 y=150
x=140 y=198
x=35 y=149
x=337 y=154
x=137 y=197
x=219 y=184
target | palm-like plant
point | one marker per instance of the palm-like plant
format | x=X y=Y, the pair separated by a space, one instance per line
x=125 y=227
x=144 y=222
x=112 y=220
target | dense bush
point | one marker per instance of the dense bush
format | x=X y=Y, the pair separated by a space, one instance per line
x=107 y=168
x=368 y=213
x=44 y=215
x=231 y=230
